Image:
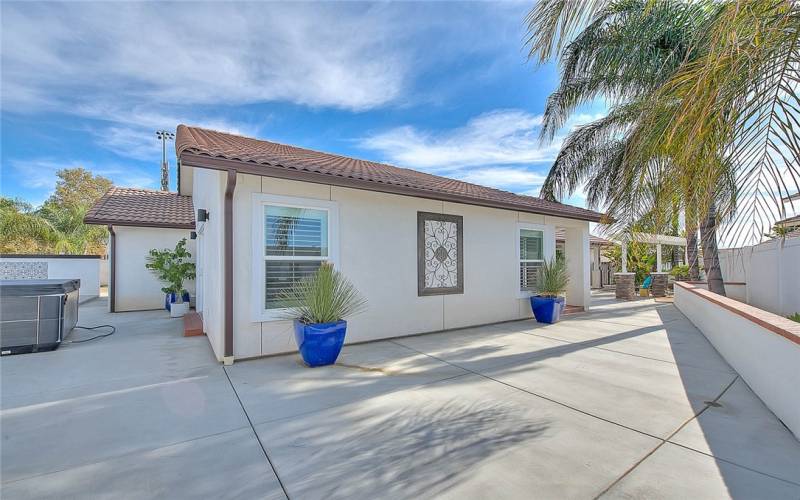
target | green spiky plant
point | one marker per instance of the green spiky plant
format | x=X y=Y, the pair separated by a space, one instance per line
x=326 y=296
x=553 y=277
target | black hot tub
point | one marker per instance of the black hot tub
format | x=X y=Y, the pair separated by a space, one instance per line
x=35 y=315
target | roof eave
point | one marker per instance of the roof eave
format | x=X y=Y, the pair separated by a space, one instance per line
x=192 y=159
x=116 y=222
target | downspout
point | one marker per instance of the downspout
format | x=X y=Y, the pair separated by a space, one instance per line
x=112 y=271
x=179 y=175
x=228 y=235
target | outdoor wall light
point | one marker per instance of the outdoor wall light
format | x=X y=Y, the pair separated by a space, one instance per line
x=193 y=235
x=202 y=215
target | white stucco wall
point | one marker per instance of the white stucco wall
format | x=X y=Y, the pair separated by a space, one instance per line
x=135 y=287
x=378 y=252
x=767 y=361
x=207 y=193
x=69 y=267
x=771 y=271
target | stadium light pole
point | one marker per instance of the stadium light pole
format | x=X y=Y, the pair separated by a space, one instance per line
x=164 y=136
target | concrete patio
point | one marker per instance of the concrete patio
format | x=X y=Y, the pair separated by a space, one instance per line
x=628 y=401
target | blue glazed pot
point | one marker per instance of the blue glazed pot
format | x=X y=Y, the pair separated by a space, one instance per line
x=320 y=343
x=171 y=297
x=547 y=309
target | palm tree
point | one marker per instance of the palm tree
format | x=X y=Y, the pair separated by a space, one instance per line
x=50 y=229
x=626 y=52
x=733 y=110
x=703 y=100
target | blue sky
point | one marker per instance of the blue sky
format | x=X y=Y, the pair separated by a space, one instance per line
x=439 y=87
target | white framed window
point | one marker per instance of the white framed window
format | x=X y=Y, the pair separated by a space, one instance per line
x=535 y=244
x=292 y=237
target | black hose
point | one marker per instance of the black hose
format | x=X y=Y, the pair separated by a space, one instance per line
x=113 y=329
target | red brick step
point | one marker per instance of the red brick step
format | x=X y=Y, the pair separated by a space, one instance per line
x=192 y=324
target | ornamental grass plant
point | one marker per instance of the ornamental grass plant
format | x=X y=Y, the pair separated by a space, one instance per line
x=326 y=296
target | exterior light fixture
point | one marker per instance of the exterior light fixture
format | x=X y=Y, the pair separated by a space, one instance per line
x=202 y=215
x=193 y=235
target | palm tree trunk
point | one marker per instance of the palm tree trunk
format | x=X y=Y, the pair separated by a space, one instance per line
x=708 y=239
x=691 y=252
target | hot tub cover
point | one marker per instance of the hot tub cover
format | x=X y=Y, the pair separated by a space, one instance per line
x=25 y=288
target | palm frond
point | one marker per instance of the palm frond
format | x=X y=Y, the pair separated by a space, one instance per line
x=553 y=23
x=586 y=149
x=735 y=110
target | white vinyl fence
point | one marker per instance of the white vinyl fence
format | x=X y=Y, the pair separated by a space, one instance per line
x=770 y=271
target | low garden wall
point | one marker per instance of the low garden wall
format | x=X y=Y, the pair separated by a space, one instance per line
x=83 y=267
x=762 y=347
x=736 y=290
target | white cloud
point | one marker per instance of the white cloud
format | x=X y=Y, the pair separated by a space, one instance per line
x=140 y=66
x=131 y=133
x=501 y=137
x=137 y=67
x=344 y=56
x=499 y=149
x=511 y=179
x=40 y=173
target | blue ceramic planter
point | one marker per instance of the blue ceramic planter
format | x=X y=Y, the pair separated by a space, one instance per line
x=547 y=309
x=171 y=297
x=319 y=343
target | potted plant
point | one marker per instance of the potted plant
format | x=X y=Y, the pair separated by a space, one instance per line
x=173 y=268
x=318 y=306
x=553 y=281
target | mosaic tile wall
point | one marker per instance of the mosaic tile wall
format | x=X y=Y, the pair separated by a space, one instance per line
x=23 y=270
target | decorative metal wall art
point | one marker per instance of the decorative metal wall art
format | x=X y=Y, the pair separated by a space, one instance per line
x=440 y=254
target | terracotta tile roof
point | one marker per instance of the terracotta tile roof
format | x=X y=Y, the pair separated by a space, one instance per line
x=211 y=149
x=593 y=240
x=142 y=207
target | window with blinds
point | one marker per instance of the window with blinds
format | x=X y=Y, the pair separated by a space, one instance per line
x=531 y=257
x=295 y=245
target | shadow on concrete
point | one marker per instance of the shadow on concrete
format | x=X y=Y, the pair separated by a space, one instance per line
x=416 y=452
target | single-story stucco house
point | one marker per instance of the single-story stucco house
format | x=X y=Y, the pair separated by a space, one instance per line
x=429 y=253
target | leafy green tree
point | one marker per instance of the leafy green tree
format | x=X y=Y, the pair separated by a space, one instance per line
x=78 y=187
x=57 y=226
